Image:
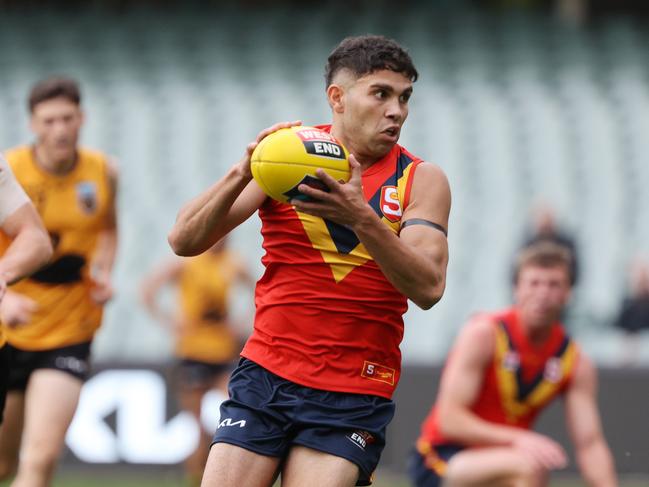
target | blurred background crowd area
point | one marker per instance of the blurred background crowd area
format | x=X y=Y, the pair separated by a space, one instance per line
x=536 y=110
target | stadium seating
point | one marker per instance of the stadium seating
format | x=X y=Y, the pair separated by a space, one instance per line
x=516 y=109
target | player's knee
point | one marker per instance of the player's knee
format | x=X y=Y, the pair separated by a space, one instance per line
x=461 y=472
x=529 y=474
x=458 y=472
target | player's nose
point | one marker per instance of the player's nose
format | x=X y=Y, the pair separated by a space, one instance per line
x=395 y=111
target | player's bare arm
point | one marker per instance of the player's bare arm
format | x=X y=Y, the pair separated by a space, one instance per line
x=459 y=389
x=584 y=424
x=30 y=248
x=229 y=202
x=414 y=262
x=103 y=260
x=168 y=273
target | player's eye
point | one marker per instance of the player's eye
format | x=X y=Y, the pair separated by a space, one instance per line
x=404 y=98
x=380 y=94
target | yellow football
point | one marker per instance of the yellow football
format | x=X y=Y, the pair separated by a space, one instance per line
x=289 y=157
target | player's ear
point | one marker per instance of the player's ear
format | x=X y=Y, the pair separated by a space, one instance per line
x=336 y=97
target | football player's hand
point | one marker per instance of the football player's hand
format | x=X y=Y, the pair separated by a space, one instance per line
x=544 y=451
x=244 y=163
x=102 y=289
x=16 y=309
x=344 y=203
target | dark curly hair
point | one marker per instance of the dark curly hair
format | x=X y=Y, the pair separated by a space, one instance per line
x=54 y=87
x=368 y=53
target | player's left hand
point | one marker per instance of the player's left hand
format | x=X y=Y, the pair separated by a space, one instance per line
x=102 y=289
x=343 y=204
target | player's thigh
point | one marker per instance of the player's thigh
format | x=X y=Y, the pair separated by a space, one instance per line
x=11 y=431
x=50 y=402
x=493 y=467
x=232 y=466
x=307 y=467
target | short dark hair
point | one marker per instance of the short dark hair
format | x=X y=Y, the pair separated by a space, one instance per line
x=543 y=254
x=368 y=53
x=54 y=87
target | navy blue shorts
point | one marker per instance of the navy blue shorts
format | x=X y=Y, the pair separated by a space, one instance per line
x=427 y=469
x=268 y=415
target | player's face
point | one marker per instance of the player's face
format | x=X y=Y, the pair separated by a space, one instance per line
x=376 y=107
x=541 y=293
x=56 y=123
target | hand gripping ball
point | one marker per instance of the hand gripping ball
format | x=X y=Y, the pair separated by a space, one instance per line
x=289 y=157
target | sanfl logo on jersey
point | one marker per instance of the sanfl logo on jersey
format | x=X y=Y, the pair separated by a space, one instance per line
x=87 y=196
x=390 y=204
x=553 y=372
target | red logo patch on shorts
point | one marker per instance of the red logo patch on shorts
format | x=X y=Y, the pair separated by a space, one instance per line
x=378 y=372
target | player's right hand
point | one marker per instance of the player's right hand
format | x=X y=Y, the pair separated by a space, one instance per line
x=244 y=163
x=544 y=451
x=16 y=309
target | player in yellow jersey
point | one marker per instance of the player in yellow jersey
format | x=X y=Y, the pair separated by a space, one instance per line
x=206 y=341
x=30 y=249
x=51 y=317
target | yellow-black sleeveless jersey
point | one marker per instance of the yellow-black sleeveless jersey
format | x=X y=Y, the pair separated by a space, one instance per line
x=204 y=286
x=75 y=209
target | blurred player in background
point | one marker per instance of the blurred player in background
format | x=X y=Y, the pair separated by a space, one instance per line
x=52 y=316
x=207 y=343
x=504 y=369
x=633 y=317
x=312 y=395
x=29 y=250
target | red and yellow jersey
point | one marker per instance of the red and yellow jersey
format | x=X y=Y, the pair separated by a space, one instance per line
x=74 y=208
x=327 y=317
x=520 y=381
x=204 y=285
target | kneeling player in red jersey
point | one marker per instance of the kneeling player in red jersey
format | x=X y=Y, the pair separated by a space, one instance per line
x=504 y=369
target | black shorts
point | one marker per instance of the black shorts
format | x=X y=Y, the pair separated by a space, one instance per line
x=5 y=364
x=268 y=415
x=427 y=469
x=193 y=373
x=72 y=360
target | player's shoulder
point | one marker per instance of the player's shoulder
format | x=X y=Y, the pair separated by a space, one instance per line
x=476 y=340
x=18 y=155
x=482 y=324
x=585 y=369
x=430 y=189
x=431 y=171
x=410 y=158
x=99 y=160
x=479 y=329
x=93 y=156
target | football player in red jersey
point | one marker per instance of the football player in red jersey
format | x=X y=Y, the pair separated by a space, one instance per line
x=311 y=398
x=504 y=369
